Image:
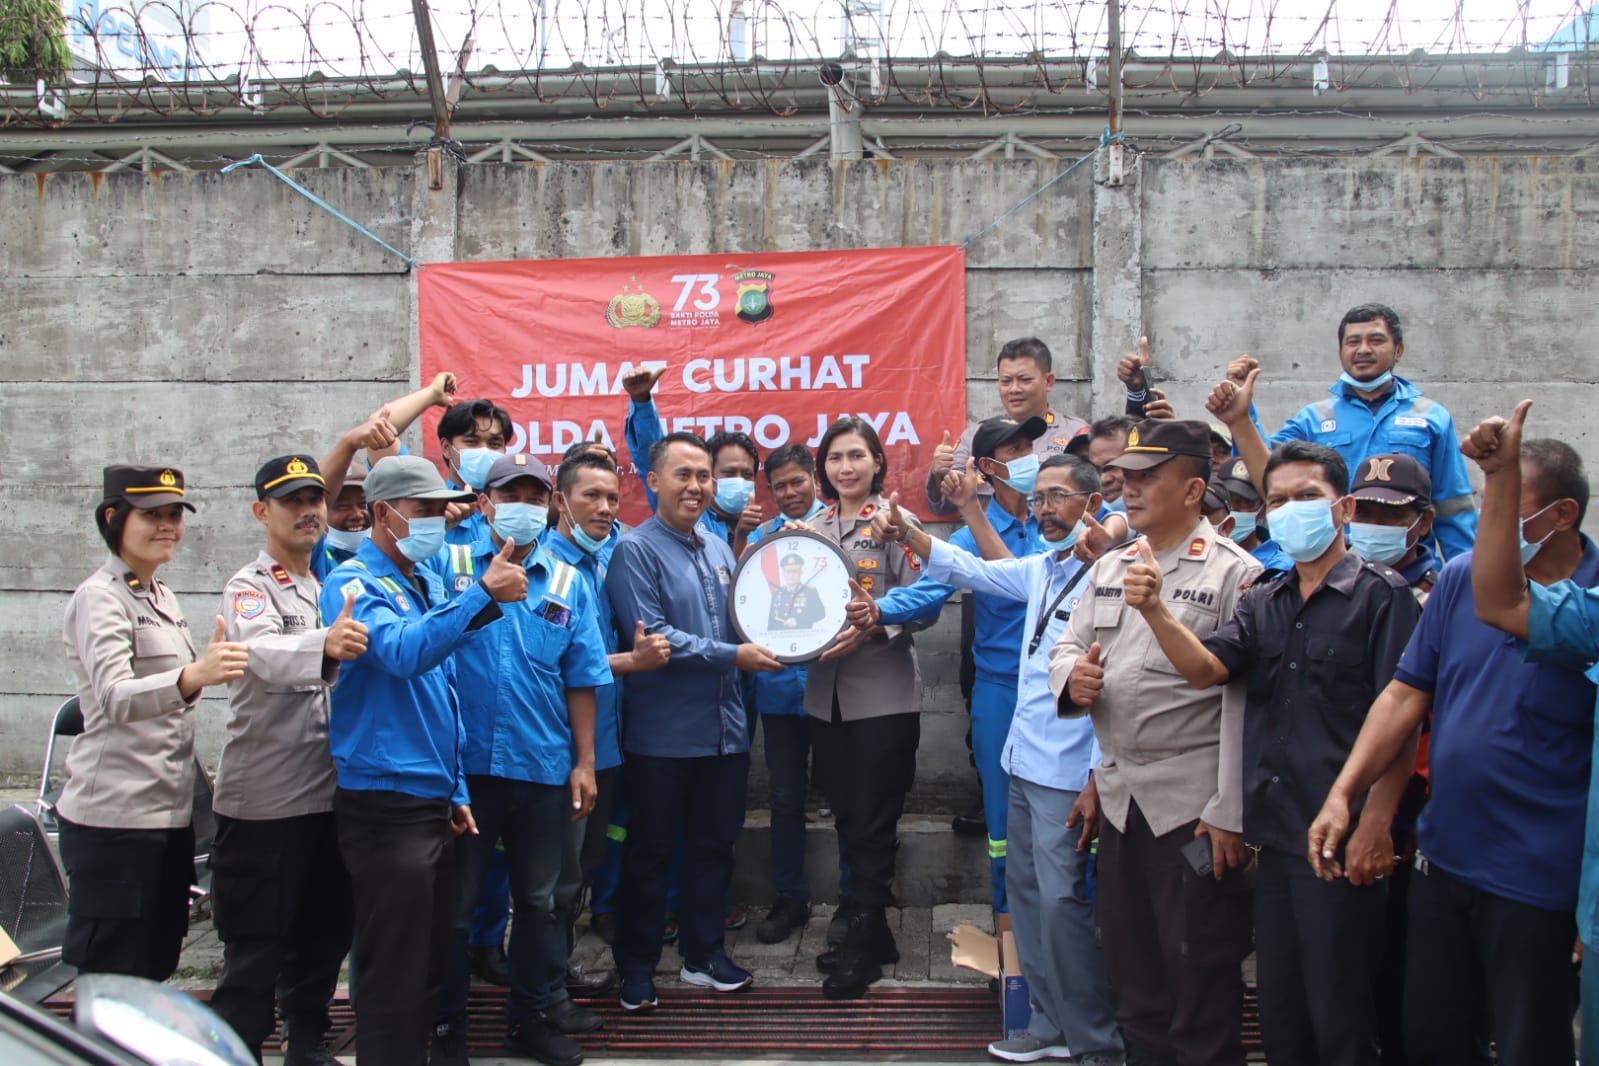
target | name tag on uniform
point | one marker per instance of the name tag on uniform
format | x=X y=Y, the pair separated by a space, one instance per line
x=1328 y=425
x=557 y=614
x=1411 y=420
x=724 y=574
x=462 y=583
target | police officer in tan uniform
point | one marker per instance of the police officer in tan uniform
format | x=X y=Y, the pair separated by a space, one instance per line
x=127 y=839
x=279 y=888
x=1174 y=903
x=864 y=697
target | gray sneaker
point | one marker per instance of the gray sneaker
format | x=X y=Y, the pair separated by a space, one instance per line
x=1027 y=1048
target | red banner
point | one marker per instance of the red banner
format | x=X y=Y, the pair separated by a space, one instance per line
x=777 y=345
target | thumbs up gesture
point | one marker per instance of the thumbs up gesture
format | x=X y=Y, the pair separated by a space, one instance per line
x=505 y=581
x=1495 y=443
x=224 y=660
x=640 y=381
x=862 y=611
x=944 y=455
x=1141 y=584
x=651 y=651
x=889 y=524
x=346 y=637
x=1087 y=678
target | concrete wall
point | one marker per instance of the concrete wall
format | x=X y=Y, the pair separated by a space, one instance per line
x=211 y=320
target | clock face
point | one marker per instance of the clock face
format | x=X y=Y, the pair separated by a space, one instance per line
x=789 y=594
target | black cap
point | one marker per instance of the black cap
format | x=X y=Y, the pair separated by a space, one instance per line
x=993 y=432
x=1235 y=476
x=1392 y=478
x=1216 y=497
x=144 y=487
x=1155 y=440
x=508 y=468
x=285 y=474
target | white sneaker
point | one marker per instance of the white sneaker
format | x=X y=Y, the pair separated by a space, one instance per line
x=1027 y=1048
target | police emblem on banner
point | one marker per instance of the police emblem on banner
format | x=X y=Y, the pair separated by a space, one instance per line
x=754 y=294
x=633 y=309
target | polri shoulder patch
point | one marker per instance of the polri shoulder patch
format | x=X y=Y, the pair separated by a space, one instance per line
x=248 y=605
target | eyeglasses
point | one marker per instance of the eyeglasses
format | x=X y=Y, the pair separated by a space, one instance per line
x=1054 y=496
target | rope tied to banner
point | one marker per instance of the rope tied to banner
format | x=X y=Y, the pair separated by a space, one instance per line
x=323 y=204
x=1106 y=138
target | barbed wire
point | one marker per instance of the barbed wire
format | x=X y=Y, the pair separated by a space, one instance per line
x=146 y=59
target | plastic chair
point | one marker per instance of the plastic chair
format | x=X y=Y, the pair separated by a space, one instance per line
x=68 y=723
x=33 y=907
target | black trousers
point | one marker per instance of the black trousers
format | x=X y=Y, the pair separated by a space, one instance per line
x=402 y=873
x=127 y=898
x=698 y=803
x=1469 y=948
x=1174 y=946
x=281 y=901
x=1317 y=948
x=866 y=768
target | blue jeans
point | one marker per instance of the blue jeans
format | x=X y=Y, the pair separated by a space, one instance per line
x=993 y=707
x=1053 y=916
x=533 y=821
x=701 y=801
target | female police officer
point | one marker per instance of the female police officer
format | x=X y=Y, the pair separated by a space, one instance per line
x=865 y=697
x=126 y=838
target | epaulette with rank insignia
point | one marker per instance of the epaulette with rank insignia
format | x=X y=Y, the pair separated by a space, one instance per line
x=281 y=576
x=832 y=512
x=1196 y=547
x=867 y=511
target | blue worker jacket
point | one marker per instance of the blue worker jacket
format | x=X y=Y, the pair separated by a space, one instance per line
x=511 y=678
x=997 y=620
x=395 y=724
x=607 y=697
x=1404 y=421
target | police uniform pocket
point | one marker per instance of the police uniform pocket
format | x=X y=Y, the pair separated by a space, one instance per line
x=153 y=652
x=246 y=891
x=1108 y=613
x=98 y=909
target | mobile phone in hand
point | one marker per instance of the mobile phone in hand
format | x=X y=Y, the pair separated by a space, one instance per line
x=1199 y=856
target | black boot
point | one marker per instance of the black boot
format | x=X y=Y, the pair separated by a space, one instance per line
x=859 y=964
x=305 y=1043
x=886 y=950
x=840 y=923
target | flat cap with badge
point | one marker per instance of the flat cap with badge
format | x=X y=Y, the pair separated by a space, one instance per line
x=144 y=487
x=1155 y=440
x=287 y=474
x=1235 y=478
x=410 y=477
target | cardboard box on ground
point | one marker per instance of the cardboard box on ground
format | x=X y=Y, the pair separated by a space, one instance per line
x=995 y=956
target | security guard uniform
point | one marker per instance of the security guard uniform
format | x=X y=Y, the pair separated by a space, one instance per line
x=279 y=890
x=127 y=841
x=865 y=707
x=1172 y=756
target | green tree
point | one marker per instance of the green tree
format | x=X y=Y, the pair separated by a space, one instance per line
x=33 y=41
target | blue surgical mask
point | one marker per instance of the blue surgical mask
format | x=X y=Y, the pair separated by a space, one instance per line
x=340 y=540
x=586 y=542
x=521 y=522
x=1380 y=544
x=1244 y=523
x=817 y=507
x=1304 y=528
x=1367 y=386
x=1116 y=506
x=1529 y=549
x=1022 y=474
x=1065 y=543
x=425 y=539
x=733 y=494
x=472 y=464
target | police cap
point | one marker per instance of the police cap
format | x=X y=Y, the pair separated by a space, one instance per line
x=1155 y=440
x=286 y=474
x=144 y=487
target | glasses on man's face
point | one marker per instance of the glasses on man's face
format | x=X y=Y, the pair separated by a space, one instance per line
x=1054 y=497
